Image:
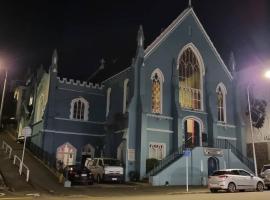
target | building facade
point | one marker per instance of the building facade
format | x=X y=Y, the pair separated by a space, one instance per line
x=178 y=93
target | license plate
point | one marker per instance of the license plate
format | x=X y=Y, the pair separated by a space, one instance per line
x=84 y=175
x=114 y=179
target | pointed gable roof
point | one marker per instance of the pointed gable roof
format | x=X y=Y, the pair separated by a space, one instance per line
x=173 y=25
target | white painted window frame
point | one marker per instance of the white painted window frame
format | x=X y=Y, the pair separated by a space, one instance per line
x=163 y=150
x=86 y=108
x=224 y=95
x=125 y=96
x=161 y=78
x=109 y=90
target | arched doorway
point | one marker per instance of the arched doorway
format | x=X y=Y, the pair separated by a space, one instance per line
x=192 y=133
x=88 y=151
x=66 y=154
x=213 y=165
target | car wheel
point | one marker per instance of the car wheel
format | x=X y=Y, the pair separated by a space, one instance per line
x=259 y=187
x=231 y=187
x=213 y=190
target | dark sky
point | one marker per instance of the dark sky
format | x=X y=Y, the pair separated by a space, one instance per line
x=84 y=31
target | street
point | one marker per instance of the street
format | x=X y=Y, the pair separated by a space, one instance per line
x=170 y=196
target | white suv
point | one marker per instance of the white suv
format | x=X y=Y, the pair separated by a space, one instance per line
x=105 y=169
x=234 y=179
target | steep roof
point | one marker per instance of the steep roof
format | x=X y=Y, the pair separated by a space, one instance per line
x=173 y=25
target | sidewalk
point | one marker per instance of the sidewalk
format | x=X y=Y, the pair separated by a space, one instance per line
x=42 y=181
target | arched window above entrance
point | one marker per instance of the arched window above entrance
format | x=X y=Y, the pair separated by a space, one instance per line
x=191 y=74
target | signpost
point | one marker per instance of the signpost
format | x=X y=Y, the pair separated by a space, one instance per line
x=187 y=153
x=26 y=132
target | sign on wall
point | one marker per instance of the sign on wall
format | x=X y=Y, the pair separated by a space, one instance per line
x=131 y=154
x=213 y=152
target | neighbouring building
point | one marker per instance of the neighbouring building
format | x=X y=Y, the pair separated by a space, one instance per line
x=178 y=93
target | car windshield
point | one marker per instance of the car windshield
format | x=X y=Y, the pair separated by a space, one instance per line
x=218 y=173
x=112 y=162
x=265 y=167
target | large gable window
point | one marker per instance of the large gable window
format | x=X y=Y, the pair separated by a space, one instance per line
x=157 y=83
x=190 y=80
x=221 y=102
x=79 y=109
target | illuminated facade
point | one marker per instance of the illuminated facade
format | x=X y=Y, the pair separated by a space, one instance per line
x=177 y=93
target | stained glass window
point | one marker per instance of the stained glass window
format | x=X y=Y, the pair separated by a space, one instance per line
x=189 y=80
x=156 y=94
x=220 y=105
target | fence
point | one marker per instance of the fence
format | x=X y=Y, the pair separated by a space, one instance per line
x=47 y=158
x=25 y=169
x=7 y=148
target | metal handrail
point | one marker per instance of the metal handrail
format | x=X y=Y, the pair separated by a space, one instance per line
x=225 y=144
x=168 y=159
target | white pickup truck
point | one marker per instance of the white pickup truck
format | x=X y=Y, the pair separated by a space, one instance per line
x=105 y=169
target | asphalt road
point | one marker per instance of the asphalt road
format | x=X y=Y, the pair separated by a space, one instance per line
x=206 y=196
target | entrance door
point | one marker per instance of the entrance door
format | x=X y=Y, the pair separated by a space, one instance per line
x=192 y=133
x=213 y=165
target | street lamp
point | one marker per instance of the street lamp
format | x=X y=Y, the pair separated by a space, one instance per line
x=251 y=129
x=3 y=97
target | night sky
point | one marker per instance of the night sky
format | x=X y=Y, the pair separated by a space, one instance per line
x=84 y=31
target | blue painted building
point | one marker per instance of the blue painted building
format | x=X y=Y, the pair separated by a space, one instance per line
x=178 y=93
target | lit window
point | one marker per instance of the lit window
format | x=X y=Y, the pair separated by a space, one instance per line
x=157 y=150
x=30 y=101
x=157 y=82
x=79 y=109
x=221 y=102
x=189 y=81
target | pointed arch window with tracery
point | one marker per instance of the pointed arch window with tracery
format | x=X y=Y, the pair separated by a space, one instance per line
x=190 y=94
x=79 y=109
x=157 y=81
x=221 y=103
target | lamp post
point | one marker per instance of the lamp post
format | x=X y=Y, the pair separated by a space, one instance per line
x=251 y=129
x=3 y=97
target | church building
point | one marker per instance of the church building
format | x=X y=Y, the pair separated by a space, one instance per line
x=177 y=99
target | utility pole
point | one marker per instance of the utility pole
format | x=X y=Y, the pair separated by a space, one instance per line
x=3 y=97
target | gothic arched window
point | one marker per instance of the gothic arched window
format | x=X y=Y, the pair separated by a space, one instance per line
x=157 y=93
x=190 y=94
x=221 y=102
x=79 y=109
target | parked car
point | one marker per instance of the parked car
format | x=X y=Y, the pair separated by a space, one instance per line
x=265 y=174
x=78 y=174
x=234 y=179
x=106 y=169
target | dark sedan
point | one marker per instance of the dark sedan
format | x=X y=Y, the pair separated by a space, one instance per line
x=78 y=174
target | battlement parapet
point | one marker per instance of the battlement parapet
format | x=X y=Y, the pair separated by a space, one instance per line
x=80 y=83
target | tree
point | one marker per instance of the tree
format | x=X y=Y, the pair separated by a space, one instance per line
x=258 y=107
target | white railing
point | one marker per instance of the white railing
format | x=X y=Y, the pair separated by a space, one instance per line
x=7 y=148
x=25 y=169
